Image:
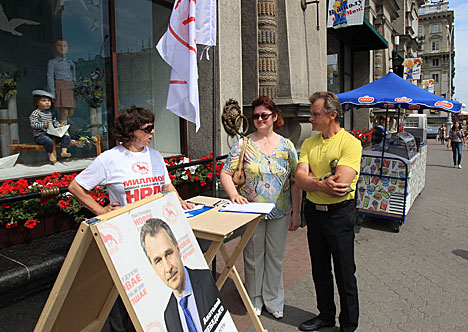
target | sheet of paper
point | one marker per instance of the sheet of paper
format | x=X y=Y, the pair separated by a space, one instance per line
x=260 y=208
x=59 y=132
x=8 y=162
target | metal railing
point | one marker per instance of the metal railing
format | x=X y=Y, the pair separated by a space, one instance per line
x=54 y=191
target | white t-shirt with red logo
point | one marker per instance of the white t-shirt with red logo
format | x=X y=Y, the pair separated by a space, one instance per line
x=128 y=176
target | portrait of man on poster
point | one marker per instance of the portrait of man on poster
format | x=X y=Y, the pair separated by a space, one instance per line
x=194 y=292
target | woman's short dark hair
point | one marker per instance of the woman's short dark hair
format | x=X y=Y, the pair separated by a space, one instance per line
x=129 y=120
x=268 y=103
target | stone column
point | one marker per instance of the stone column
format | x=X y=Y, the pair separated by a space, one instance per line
x=268 y=53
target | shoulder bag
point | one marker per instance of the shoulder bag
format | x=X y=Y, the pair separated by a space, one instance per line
x=238 y=177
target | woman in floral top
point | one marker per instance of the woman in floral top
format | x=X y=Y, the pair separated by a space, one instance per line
x=270 y=162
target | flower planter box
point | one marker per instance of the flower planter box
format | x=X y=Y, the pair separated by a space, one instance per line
x=49 y=224
x=191 y=189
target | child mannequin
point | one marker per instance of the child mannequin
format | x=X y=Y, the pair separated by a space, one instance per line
x=40 y=119
x=61 y=75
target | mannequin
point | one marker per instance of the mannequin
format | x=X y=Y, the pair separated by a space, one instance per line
x=61 y=77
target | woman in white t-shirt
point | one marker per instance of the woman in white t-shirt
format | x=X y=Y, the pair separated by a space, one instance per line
x=130 y=171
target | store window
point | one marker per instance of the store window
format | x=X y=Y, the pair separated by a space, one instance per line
x=142 y=75
x=333 y=67
x=63 y=47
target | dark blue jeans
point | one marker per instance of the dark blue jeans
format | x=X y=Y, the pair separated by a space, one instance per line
x=48 y=141
x=457 y=152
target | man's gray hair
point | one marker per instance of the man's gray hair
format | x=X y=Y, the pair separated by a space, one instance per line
x=330 y=103
x=151 y=228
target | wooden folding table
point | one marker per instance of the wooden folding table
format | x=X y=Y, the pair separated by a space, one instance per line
x=217 y=226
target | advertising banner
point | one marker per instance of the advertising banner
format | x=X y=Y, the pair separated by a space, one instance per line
x=163 y=270
x=412 y=68
x=343 y=13
x=428 y=85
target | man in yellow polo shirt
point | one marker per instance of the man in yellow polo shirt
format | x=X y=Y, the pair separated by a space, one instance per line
x=330 y=211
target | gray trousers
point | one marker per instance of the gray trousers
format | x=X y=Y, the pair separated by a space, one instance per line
x=263 y=263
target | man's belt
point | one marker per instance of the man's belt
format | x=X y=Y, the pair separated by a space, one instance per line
x=330 y=207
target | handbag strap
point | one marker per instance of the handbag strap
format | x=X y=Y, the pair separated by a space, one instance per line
x=241 y=157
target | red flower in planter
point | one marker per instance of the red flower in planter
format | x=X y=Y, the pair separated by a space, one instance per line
x=64 y=204
x=11 y=225
x=31 y=223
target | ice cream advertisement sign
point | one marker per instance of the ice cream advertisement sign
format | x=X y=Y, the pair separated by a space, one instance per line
x=403 y=99
x=343 y=13
x=366 y=99
x=444 y=104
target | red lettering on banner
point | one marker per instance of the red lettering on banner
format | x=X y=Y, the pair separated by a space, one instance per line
x=145 y=192
x=139 y=296
x=177 y=82
x=188 y=20
x=132 y=282
x=132 y=197
x=157 y=189
x=176 y=36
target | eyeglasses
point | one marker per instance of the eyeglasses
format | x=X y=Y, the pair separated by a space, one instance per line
x=148 y=129
x=264 y=116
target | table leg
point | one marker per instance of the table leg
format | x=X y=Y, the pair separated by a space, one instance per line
x=211 y=252
x=240 y=247
x=243 y=293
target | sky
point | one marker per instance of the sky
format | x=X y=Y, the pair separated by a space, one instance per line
x=460 y=8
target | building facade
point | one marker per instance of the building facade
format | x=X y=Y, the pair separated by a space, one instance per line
x=436 y=25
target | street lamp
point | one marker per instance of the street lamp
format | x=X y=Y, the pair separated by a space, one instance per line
x=450 y=29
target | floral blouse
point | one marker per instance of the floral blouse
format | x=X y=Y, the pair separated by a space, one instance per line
x=267 y=176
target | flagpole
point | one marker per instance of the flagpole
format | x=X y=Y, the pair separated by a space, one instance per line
x=215 y=120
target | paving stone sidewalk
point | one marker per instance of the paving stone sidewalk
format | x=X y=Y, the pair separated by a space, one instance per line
x=415 y=280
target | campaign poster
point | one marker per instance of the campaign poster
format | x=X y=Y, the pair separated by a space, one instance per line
x=428 y=85
x=343 y=13
x=157 y=274
x=412 y=68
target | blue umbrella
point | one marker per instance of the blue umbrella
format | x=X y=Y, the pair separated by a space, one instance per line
x=391 y=92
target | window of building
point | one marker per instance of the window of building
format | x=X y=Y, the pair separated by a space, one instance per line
x=435 y=77
x=435 y=62
x=435 y=45
x=436 y=28
x=420 y=31
x=66 y=51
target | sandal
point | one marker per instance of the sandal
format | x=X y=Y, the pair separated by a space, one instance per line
x=65 y=155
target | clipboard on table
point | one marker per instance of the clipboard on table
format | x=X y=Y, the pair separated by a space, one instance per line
x=258 y=208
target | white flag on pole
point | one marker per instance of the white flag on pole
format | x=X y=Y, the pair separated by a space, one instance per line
x=190 y=23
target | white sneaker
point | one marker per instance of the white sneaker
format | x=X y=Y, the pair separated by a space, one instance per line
x=278 y=314
x=258 y=311
x=459 y=166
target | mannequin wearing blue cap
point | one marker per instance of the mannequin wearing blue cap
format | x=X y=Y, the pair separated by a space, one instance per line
x=41 y=119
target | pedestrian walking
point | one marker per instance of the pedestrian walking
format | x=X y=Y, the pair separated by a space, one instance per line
x=270 y=167
x=442 y=133
x=456 y=138
x=330 y=211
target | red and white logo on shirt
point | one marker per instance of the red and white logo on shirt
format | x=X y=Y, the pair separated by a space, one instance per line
x=140 y=167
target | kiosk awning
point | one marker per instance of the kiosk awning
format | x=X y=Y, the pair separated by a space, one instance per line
x=361 y=37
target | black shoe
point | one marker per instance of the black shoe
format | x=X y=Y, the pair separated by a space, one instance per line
x=347 y=329
x=315 y=323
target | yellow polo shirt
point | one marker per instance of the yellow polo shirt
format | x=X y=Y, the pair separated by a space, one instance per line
x=319 y=152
